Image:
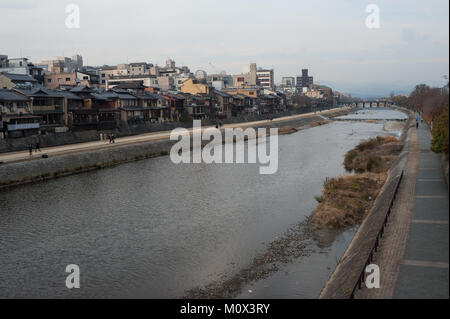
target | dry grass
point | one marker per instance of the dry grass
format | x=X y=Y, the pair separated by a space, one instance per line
x=346 y=200
x=285 y=130
x=374 y=155
x=320 y=123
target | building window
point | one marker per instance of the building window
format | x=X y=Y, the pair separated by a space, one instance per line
x=67 y=79
x=49 y=80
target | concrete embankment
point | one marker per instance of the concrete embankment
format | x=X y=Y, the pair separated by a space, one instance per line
x=13 y=174
x=348 y=271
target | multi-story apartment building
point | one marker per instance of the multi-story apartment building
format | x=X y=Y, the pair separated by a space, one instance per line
x=141 y=68
x=288 y=82
x=196 y=87
x=304 y=80
x=146 y=80
x=220 y=81
x=247 y=77
x=21 y=66
x=264 y=78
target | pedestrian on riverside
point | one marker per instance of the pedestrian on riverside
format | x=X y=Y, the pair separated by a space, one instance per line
x=417 y=124
x=30 y=149
x=38 y=147
x=113 y=139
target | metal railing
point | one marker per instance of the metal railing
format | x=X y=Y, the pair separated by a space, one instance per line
x=377 y=241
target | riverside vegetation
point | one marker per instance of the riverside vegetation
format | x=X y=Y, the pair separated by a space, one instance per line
x=346 y=200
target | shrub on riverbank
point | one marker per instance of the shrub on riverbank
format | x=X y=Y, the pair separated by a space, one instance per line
x=374 y=155
x=345 y=201
x=440 y=133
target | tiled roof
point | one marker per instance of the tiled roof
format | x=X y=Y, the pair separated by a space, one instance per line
x=7 y=95
x=19 y=77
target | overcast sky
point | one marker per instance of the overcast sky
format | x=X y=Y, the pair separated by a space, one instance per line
x=327 y=36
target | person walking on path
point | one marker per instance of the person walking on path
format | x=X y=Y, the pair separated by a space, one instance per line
x=30 y=149
x=110 y=138
x=113 y=139
x=38 y=147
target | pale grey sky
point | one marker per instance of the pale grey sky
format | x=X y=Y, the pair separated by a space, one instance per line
x=327 y=36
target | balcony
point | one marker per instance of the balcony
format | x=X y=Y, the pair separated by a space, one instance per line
x=47 y=108
x=25 y=126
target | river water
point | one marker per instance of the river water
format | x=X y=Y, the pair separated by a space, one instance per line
x=153 y=229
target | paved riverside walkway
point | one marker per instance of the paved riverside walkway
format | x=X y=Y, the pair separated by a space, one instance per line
x=424 y=271
x=413 y=254
x=12 y=157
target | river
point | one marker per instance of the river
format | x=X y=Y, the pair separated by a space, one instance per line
x=153 y=229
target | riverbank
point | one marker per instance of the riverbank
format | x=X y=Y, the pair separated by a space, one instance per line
x=74 y=159
x=342 y=282
x=85 y=136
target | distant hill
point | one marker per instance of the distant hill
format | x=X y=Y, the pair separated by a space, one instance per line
x=375 y=90
x=370 y=90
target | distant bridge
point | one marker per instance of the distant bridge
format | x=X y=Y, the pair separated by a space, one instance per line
x=373 y=103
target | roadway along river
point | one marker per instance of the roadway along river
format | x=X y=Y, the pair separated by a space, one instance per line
x=153 y=229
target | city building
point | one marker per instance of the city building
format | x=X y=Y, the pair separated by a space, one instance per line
x=16 y=118
x=21 y=66
x=165 y=83
x=55 y=80
x=107 y=72
x=288 y=82
x=147 y=80
x=196 y=87
x=220 y=81
x=140 y=68
x=47 y=104
x=9 y=81
x=201 y=75
x=3 y=61
x=304 y=80
x=247 y=77
x=62 y=64
x=223 y=103
x=264 y=78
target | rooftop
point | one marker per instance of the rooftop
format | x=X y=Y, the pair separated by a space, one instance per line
x=7 y=95
x=19 y=77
